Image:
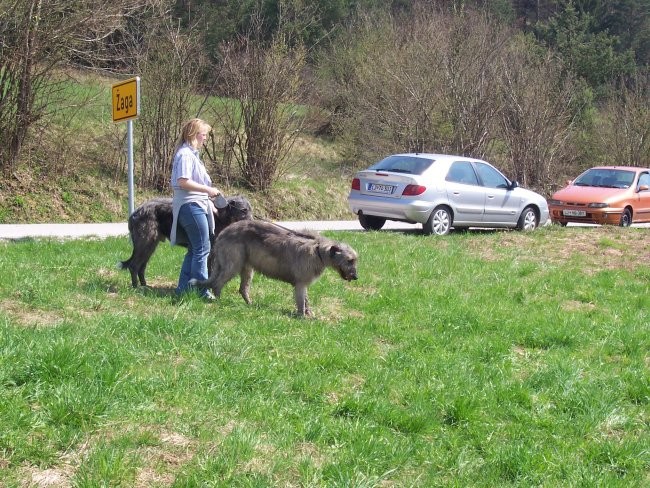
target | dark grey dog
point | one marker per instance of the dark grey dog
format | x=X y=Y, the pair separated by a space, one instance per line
x=151 y=224
x=279 y=253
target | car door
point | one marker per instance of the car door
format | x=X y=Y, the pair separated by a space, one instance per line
x=501 y=206
x=466 y=197
x=642 y=210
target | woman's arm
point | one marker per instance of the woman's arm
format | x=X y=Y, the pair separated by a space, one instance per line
x=191 y=185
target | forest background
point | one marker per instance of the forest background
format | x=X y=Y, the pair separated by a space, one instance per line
x=301 y=94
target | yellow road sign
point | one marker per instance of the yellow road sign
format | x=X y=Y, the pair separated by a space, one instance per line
x=126 y=99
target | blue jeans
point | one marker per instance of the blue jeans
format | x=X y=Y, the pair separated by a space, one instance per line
x=194 y=221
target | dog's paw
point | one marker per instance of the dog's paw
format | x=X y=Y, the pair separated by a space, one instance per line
x=193 y=282
x=306 y=315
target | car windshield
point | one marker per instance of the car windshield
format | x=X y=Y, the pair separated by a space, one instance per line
x=605 y=178
x=403 y=164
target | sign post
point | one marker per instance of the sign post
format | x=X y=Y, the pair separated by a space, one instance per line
x=126 y=107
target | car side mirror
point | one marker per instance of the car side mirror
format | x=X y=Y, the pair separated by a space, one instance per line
x=569 y=182
x=514 y=184
x=643 y=188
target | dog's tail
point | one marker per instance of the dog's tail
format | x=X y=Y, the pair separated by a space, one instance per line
x=127 y=264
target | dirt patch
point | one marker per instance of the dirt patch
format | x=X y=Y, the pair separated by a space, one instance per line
x=161 y=462
x=50 y=478
x=597 y=248
x=573 y=305
x=29 y=316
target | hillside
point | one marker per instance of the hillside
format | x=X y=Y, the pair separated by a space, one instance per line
x=315 y=188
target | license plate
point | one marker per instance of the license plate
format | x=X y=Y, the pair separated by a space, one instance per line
x=377 y=188
x=574 y=213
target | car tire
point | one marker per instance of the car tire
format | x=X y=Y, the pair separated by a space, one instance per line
x=527 y=220
x=371 y=222
x=626 y=218
x=439 y=222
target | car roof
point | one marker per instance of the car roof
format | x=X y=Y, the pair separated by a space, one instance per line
x=437 y=156
x=628 y=168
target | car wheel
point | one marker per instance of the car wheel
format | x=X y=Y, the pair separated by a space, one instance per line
x=626 y=218
x=370 y=222
x=439 y=222
x=527 y=219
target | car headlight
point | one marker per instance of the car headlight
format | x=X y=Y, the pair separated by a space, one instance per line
x=598 y=205
x=555 y=202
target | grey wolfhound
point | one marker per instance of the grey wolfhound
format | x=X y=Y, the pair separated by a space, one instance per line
x=293 y=257
x=151 y=223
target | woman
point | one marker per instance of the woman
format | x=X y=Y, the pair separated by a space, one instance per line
x=193 y=222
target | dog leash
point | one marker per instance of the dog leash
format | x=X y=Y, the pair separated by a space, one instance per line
x=290 y=231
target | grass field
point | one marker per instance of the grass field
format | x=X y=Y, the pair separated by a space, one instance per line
x=477 y=359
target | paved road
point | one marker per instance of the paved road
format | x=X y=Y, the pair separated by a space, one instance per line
x=63 y=231
x=70 y=231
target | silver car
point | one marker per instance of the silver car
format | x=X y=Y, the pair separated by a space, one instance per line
x=441 y=191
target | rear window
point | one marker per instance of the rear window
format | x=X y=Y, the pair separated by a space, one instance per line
x=403 y=164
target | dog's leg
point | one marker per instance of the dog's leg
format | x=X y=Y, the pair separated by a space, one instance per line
x=300 y=292
x=307 y=309
x=134 y=275
x=143 y=258
x=142 y=252
x=143 y=282
x=222 y=274
x=222 y=277
x=246 y=276
x=131 y=265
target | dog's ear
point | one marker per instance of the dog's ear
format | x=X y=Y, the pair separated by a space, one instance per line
x=333 y=250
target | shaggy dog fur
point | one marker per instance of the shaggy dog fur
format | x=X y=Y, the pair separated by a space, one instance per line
x=279 y=253
x=151 y=224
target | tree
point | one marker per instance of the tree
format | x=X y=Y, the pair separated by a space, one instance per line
x=38 y=39
x=20 y=77
x=260 y=114
x=540 y=112
x=587 y=52
x=169 y=64
x=222 y=21
x=426 y=84
x=624 y=128
x=471 y=51
x=626 y=20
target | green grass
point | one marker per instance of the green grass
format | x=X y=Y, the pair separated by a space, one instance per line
x=478 y=359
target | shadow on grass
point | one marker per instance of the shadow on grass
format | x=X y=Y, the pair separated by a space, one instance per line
x=159 y=292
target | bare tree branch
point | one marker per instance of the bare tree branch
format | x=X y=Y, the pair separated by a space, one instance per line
x=259 y=115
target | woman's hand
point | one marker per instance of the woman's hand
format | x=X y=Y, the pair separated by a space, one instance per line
x=212 y=192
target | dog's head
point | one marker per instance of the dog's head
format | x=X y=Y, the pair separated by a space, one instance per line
x=238 y=208
x=344 y=260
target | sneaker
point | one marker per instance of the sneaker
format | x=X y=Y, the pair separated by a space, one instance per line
x=208 y=296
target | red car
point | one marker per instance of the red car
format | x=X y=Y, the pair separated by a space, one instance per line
x=616 y=195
